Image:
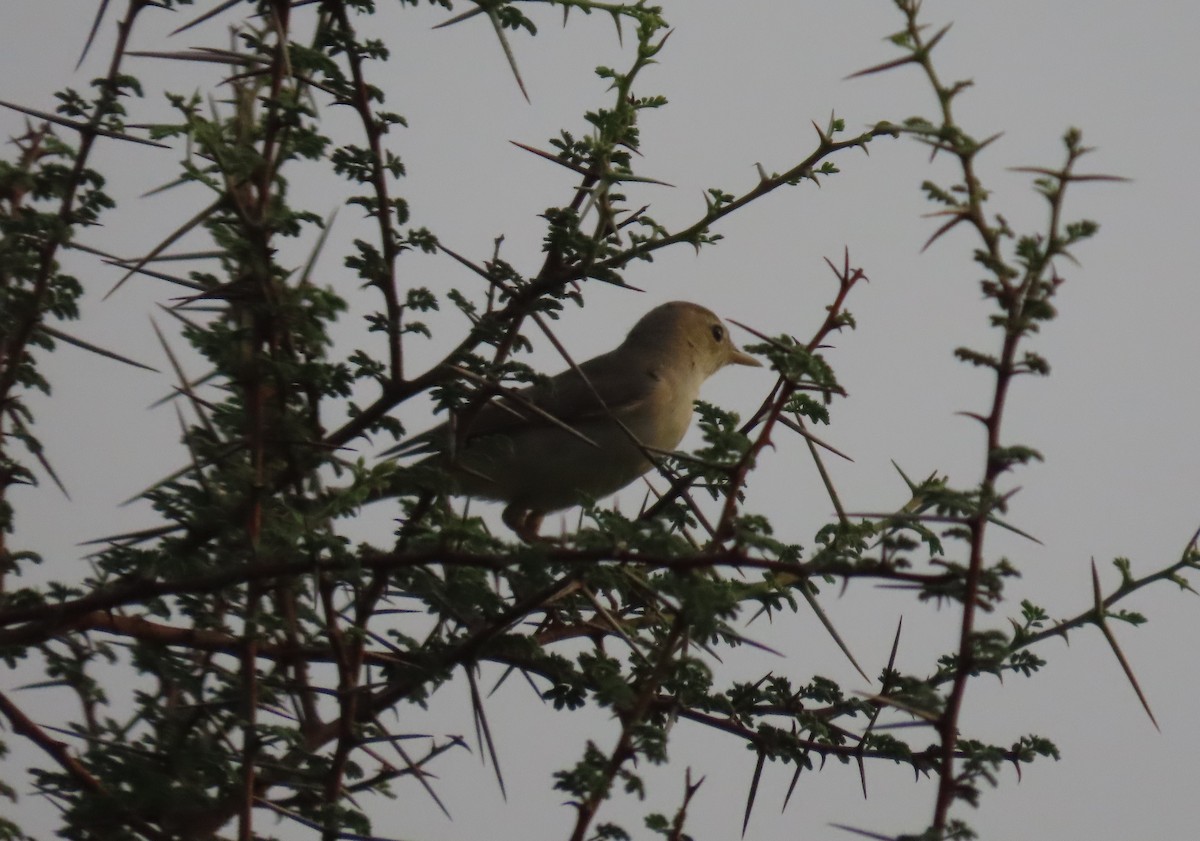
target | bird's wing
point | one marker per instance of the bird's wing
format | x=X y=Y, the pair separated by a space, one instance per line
x=569 y=398
x=565 y=399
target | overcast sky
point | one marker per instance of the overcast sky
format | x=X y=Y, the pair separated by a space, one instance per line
x=1117 y=420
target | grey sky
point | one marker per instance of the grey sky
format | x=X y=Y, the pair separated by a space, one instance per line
x=1116 y=420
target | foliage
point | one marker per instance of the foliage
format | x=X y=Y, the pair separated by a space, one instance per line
x=274 y=660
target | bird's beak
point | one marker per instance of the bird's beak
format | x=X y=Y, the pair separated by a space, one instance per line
x=740 y=357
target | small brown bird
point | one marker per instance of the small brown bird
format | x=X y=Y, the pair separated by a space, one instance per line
x=619 y=405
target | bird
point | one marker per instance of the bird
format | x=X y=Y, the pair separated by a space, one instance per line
x=589 y=431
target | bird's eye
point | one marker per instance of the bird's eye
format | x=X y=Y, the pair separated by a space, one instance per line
x=718 y=332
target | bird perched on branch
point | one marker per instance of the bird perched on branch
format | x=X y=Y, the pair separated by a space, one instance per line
x=589 y=431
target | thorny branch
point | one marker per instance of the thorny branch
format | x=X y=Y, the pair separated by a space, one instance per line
x=269 y=587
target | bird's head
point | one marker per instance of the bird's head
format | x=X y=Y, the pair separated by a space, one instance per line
x=688 y=333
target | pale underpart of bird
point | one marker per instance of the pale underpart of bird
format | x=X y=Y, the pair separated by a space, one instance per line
x=609 y=414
